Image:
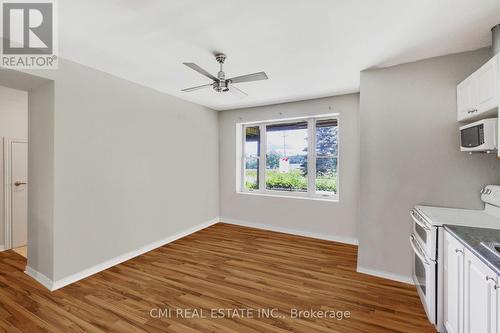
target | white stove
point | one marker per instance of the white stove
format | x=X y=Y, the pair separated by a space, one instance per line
x=426 y=241
x=437 y=216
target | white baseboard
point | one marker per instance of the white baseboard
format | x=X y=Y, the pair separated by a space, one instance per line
x=42 y=279
x=2 y=248
x=340 y=239
x=54 y=285
x=385 y=275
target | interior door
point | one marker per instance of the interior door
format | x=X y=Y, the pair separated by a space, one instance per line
x=19 y=193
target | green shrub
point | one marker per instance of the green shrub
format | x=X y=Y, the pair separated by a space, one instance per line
x=251 y=186
x=326 y=184
x=294 y=180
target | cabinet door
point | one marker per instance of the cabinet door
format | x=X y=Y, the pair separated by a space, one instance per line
x=453 y=284
x=465 y=98
x=496 y=315
x=486 y=86
x=480 y=298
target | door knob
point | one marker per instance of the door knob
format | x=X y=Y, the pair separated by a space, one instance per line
x=18 y=183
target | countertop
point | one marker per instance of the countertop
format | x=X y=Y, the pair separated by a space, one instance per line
x=439 y=216
x=471 y=238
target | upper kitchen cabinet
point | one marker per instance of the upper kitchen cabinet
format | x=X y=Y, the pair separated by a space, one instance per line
x=478 y=95
x=465 y=99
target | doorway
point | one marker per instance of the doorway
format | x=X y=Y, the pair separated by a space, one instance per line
x=14 y=165
x=16 y=194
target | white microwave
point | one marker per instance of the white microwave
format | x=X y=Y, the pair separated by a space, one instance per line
x=480 y=136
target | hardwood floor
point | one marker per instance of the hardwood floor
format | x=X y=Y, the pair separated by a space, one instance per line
x=221 y=267
x=23 y=250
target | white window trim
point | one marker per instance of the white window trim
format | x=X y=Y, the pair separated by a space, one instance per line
x=311 y=160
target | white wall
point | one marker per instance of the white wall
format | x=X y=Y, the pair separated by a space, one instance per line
x=13 y=124
x=13 y=113
x=410 y=154
x=334 y=220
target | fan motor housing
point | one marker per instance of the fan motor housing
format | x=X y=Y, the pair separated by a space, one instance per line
x=221 y=57
x=221 y=86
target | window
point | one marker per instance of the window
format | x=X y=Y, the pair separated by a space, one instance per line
x=326 y=156
x=297 y=157
x=251 y=158
x=286 y=157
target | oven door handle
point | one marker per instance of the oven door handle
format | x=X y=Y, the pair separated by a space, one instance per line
x=417 y=221
x=417 y=250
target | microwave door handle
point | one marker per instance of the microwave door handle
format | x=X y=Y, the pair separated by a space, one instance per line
x=418 y=251
x=420 y=223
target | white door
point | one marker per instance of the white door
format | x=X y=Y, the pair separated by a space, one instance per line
x=453 y=284
x=480 y=308
x=19 y=193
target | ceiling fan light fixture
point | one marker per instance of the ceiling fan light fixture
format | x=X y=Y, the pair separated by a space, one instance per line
x=220 y=83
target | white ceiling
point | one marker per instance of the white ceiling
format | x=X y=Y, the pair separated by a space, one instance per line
x=308 y=48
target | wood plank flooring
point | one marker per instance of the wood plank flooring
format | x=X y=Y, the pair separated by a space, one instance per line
x=221 y=267
x=23 y=250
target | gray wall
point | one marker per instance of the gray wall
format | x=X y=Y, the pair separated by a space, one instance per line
x=41 y=179
x=410 y=154
x=117 y=166
x=13 y=124
x=114 y=166
x=40 y=126
x=336 y=220
x=133 y=166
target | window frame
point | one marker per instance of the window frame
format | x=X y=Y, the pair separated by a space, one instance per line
x=311 y=159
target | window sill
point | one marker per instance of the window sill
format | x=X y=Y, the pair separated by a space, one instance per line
x=332 y=198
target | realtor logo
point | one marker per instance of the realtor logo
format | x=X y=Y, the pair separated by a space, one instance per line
x=28 y=35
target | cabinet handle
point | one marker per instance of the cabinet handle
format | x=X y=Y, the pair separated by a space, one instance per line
x=415 y=218
x=488 y=278
x=459 y=251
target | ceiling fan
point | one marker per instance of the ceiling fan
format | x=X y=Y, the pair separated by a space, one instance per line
x=220 y=83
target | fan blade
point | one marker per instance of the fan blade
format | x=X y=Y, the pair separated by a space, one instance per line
x=249 y=77
x=236 y=91
x=197 y=87
x=200 y=70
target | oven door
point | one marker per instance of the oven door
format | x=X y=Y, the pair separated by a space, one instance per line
x=424 y=276
x=425 y=234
